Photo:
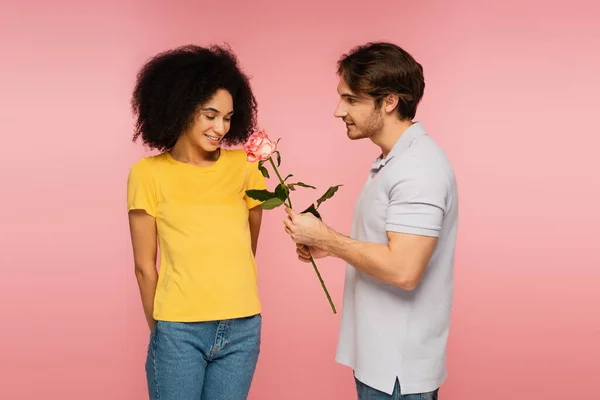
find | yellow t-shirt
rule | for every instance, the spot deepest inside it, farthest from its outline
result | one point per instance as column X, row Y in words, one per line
column 207, row 268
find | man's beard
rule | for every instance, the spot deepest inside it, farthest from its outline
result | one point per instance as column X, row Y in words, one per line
column 372, row 126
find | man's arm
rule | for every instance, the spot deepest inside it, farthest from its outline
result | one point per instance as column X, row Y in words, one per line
column 413, row 222
column 401, row 262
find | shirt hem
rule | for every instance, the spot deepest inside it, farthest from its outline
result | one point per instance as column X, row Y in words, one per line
column 207, row 317
column 411, row 230
column 146, row 209
column 388, row 387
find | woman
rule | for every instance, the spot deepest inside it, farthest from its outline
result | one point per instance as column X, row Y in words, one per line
column 203, row 307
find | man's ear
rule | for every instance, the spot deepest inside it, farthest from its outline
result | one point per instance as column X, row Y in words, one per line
column 390, row 102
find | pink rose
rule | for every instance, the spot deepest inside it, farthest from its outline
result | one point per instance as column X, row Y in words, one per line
column 259, row 147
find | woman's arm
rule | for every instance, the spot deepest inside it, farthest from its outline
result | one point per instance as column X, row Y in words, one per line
column 143, row 238
column 255, row 219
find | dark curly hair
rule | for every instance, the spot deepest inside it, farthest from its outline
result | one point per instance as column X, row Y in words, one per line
column 171, row 86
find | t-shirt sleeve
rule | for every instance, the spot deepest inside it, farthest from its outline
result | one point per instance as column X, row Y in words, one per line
column 141, row 193
column 256, row 181
column 417, row 201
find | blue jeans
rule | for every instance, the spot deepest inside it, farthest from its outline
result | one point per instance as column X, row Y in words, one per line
column 368, row 393
column 203, row 360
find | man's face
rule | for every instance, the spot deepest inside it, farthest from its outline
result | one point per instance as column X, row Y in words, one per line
column 362, row 118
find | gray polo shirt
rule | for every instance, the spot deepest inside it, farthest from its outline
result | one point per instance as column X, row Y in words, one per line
column 387, row 332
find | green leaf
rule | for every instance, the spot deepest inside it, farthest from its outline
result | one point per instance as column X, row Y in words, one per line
column 313, row 211
column 260, row 195
column 328, row 194
column 282, row 192
column 287, row 177
column 278, row 158
column 272, row 203
column 264, row 171
column 291, row 185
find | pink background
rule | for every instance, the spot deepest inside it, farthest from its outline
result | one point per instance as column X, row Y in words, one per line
column 511, row 90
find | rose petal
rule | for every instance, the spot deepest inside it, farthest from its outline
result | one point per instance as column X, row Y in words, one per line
column 265, row 150
column 259, row 146
column 256, row 145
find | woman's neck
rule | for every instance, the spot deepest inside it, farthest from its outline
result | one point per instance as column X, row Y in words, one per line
column 186, row 152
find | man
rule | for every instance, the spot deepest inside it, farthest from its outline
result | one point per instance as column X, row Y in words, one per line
column 400, row 254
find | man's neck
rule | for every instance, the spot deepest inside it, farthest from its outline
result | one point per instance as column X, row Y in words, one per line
column 390, row 134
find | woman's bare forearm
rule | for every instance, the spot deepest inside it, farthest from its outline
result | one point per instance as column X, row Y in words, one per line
column 147, row 279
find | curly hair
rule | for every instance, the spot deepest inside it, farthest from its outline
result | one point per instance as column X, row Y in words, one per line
column 173, row 84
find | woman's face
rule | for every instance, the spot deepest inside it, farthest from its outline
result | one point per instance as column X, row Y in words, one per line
column 212, row 122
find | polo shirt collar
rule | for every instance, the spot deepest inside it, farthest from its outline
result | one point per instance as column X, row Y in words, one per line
column 402, row 144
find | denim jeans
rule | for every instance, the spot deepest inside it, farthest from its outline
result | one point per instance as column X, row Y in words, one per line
column 203, row 360
column 368, row 393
